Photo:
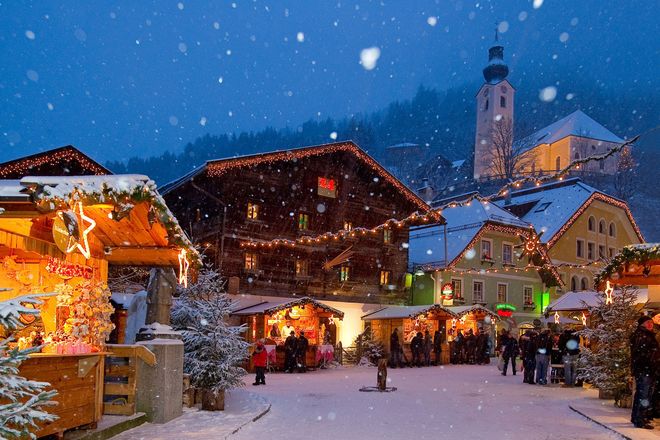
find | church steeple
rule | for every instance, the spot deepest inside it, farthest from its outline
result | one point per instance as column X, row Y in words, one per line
column 496, row 70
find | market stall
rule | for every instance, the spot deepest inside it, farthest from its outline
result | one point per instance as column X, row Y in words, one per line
column 57, row 237
column 409, row 320
column 273, row 321
column 575, row 305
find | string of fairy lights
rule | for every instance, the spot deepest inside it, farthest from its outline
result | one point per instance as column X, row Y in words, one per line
column 434, row 214
column 67, row 154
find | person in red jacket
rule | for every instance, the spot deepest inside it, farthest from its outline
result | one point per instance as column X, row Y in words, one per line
column 259, row 358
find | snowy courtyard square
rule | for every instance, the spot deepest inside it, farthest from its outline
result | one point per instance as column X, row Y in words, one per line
column 449, row 402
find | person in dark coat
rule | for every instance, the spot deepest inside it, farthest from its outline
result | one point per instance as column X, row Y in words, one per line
column 437, row 347
column 458, row 348
column 301, row 353
column 644, row 354
column 482, row 348
column 417, row 348
column 527, row 345
column 569, row 346
column 428, row 346
column 259, row 359
column 470, row 347
column 543, row 350
column 395, row 350
column 290, row 350
column 509, row 352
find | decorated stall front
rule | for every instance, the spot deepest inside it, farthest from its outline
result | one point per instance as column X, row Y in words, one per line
column 274, row 321
column 57, row 237
column 409, row 320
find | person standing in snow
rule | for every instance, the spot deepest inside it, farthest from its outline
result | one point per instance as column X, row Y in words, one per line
column 543, row 350
column 509, row 352
column 290, row 347
column 428, row 345
column 417, row 348
column 395, row 349
column 470, row 347
column 437, row 346
column 259, row 358
column 458, row 348
column 644, row 363
column 569, row 344
column 301, row 353
column 528, row 353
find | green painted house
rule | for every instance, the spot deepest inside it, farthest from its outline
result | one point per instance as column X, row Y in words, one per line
column 476, row 258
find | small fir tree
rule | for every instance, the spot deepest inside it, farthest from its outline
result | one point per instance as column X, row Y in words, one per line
column 23, row 400
column 605, row 361
column 214, row 350
column 368, row 351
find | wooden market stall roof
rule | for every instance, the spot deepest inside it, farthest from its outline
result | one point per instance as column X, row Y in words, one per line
column 636, row 265
column 132, row 224
column 477, row 309
column 400, row 312
column 270, row 307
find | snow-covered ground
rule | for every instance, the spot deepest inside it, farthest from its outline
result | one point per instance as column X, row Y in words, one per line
column 450, row 402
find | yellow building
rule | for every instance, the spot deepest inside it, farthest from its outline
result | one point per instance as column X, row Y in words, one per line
column 582, row 227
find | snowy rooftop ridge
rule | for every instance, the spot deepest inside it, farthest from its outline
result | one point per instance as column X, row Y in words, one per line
column 577, row 123
column 581, row 300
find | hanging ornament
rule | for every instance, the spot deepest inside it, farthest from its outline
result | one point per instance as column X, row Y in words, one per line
column 184, row 265
column 453, row 322
column 556, row 317
column 584, row 319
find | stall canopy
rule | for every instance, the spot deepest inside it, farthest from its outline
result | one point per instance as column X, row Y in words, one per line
column 637, row 265
column 399, row 312
column 477, row 309
column 577, row 301
column 118, row 218
column 271, row 307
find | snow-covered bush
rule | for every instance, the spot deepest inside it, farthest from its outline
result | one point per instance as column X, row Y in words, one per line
column 605, row 361
column 24, row 400
column 367, row 351
column 214, row 351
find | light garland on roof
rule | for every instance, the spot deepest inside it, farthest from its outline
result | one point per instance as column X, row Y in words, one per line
column 215, row 169
column 25, row 165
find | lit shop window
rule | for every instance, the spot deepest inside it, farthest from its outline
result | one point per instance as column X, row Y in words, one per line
column 303, row 221
column 250, row 261
column 252, row 211
column 327, row 187
column 385, row 277
column 302, row 268
column 344, row 273
column 387, row 236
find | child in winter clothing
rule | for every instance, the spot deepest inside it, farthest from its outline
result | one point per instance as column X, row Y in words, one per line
column 259, row 358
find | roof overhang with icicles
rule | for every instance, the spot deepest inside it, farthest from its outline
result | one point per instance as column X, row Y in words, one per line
column 271, row 307
column 432, row 311
column 123, row 217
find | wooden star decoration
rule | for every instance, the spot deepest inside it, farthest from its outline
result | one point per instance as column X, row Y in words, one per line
column 76, row 243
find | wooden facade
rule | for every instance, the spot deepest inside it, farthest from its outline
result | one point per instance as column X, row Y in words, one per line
column 235, row 208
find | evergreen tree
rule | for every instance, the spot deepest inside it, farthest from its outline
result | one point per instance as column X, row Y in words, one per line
column 605, row 362
column 367, row 350
column 24, row 400
column 214, row 350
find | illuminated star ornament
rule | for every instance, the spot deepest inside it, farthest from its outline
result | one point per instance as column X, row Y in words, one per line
column 609, row 290
column 82, row 243
column 530, row 245
column 584, row 319
column 184, row 265
column 556, row 317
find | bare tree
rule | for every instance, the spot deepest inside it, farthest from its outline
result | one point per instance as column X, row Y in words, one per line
column 508, row 158
column 624, row 182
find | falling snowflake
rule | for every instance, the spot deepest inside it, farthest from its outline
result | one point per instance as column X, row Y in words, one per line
column 333, row 135
column 537, row 4
column 548, row 94
column 300, row 37
column 503, row 27
column 432, row 21
column 30, row 35
column 369, row 57
column 563, row 37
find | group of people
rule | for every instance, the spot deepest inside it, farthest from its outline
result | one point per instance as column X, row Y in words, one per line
column 471, row 348
column 538, row 350
column 421, row 347
column 295, row 352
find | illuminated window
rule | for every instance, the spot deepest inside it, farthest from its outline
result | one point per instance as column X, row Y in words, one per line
column 348, row 226
column 250, row 261
column 501, row 292
column 252, row 211
column 302, row 268
column 457, row 285
column 385, row 277
column 503, row 101
column 612, row 230
column 591, row 251
column 486, row 247
column 507, row 253
column 478, row 291
column 327, row 187
column 344, row 273
column 528, row 297
column 579, row 248
column 303, row 221
column 387, row 236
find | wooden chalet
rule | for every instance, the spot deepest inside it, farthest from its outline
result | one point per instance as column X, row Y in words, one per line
column 63, row 161
column 302, row 222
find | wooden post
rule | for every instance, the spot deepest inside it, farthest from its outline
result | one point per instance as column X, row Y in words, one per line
column 382, row 374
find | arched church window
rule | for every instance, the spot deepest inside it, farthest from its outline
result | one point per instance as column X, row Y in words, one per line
column 503, row 101
column 486, row 105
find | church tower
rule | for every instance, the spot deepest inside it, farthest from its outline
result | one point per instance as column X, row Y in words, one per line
column 494, row 103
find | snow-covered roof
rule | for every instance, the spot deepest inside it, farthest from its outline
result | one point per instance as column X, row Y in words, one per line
column 270, row 307
column 64, row 186
column 11, row 190
column 463, row 310
column 574, row 301
column 457, row 163
column 549, row 207
column 398, row 312
column 427, row 243
column 575, row 124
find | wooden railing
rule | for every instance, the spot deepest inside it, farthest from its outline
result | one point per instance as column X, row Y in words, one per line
column 120, row 383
